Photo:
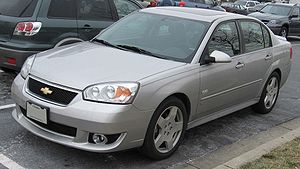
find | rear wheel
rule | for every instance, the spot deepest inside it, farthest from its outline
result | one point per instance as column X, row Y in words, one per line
column 284, row 31
column 269, row 95
column 166, row 129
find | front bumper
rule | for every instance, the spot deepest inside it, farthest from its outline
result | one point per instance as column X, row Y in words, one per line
column 86, row 117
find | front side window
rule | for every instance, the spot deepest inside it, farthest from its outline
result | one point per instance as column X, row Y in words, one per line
column 125, row 7
column 94, row 10
column 163, row 36
column 253, row 36
column 62, row 9
column 225, row 39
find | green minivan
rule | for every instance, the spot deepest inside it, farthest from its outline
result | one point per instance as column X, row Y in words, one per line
column 31, row 26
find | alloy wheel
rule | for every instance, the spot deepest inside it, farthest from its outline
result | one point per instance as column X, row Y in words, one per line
column 271, row 92
column 168, row 129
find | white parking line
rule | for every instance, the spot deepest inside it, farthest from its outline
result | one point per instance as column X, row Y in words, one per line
column 9, row 163
column 7, row 106
column 1, row 71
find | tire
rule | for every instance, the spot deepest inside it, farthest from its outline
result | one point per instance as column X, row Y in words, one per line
column 165, row 128
column 284, row 32
column 269, row 95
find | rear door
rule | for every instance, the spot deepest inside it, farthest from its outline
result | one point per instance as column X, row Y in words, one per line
column 257, row 58
column 94, row 16
column 58, row 19
column 12, row 12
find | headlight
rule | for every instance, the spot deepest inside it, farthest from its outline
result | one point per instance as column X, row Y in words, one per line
column 27, row 66
column 272, row 22
column 121, row 93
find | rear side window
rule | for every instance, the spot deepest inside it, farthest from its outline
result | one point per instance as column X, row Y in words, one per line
column 17, row 8
column 253, row 36
column 267, row 37
column 62, row 9
column 94, row 10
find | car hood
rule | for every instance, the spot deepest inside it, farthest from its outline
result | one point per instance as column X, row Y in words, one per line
column 84, row 64
column 266, row 16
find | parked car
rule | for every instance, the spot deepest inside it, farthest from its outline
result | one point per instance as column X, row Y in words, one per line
column 207, row 4
column 32, row 26
column 282, row 19
column 236, row 8
column 148, row 3
column 165, row 3
column 146, row 79
column 247, row 4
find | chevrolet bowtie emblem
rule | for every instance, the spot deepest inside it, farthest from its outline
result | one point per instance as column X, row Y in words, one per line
column 46, row 91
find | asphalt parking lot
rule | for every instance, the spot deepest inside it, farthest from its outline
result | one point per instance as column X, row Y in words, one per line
column 29, row 151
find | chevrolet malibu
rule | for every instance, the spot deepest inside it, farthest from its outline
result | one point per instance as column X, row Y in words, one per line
column 148, row 78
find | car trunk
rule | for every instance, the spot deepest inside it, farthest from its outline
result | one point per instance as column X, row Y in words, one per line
column 12, row 12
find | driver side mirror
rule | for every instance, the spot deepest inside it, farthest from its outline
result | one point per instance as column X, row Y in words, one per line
column 218, row 57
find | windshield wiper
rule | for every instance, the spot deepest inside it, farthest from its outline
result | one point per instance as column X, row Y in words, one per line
column 106, row 43
column 139, row 50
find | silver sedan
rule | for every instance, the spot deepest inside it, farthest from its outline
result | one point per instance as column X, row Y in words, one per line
column 148, row 78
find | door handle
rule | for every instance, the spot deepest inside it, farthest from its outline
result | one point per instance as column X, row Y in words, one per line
column 86, row 26
column 268, row 57
column 239, row 65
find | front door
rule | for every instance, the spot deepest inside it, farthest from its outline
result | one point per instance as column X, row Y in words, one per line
column 295, row 22
column 220, row 81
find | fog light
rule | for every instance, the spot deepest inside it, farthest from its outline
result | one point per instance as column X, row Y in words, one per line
column 99, row 139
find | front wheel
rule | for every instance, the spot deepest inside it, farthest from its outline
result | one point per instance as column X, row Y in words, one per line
column 269, row 95
column 166, row 129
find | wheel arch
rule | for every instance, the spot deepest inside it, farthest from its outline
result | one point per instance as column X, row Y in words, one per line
column 66, row 40
column 277, row 70
column 185, row 99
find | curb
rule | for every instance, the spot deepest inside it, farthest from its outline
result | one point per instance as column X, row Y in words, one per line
column 239, row 153
column 260, row 150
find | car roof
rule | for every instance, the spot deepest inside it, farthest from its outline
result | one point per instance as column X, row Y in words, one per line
column 192, row 13
column 282, row 4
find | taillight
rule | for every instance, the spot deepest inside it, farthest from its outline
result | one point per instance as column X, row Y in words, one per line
column 181, row 3
column 291, row 53
column 27, row 28
column 11, row 61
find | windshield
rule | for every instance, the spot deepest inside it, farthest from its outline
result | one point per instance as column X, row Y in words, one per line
column 17, row 8
column 277, row 10
column 159, row 35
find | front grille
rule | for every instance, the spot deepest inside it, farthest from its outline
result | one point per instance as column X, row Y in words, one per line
column 52, row 126
column 58, row 95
